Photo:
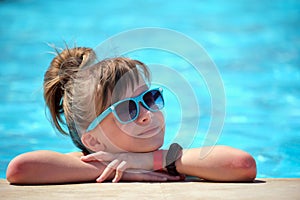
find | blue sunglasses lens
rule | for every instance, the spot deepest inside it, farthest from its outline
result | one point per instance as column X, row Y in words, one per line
column 153, row 100
column 127, row 111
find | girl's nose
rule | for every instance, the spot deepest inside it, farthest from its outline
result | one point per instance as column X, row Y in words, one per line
column 145, row 115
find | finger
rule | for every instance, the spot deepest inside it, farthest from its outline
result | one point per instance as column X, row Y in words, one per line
column 143, row 175
column 167, row 176
column 99, row 156
column 87, row 158
column 174, row 178
column 149, row 177
column 92, row 157
column 108, row 170
column 119, row 171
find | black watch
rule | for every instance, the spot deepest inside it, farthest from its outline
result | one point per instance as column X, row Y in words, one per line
column 173, row 154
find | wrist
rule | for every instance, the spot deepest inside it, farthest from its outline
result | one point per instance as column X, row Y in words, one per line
column 145, row 160
column 174, row 153
column 158, row 160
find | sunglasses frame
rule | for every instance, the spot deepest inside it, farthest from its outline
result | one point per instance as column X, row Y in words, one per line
column 136, row 100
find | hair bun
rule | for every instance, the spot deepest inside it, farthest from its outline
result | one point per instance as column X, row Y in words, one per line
column 57, row 78
column 69, row 61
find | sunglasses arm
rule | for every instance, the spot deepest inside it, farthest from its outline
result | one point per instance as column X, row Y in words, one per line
column 100, row 118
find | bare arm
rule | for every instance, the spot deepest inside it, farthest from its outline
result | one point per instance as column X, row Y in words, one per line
column 46, row 167
column 219, row 163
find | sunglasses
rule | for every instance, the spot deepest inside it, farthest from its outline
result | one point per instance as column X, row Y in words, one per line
column 127, row 110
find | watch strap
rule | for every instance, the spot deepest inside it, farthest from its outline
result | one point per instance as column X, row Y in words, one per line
column 173, row 154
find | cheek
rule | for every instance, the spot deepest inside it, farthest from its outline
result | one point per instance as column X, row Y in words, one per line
column 123, row 137
column 159, row 116
column 133, row 128
column 109, row 127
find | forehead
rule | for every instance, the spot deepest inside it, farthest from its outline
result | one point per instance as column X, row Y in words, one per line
column 135, row 91
column 129, row 89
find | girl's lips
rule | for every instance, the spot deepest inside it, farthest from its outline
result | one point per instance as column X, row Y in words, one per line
column 149, row 132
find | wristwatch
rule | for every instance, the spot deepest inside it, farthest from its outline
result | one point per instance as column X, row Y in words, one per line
column 173, row 154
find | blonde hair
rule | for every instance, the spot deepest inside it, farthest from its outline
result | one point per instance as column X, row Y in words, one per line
column 76, row 91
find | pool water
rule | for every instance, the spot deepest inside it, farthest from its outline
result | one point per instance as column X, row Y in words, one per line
column 254, row 44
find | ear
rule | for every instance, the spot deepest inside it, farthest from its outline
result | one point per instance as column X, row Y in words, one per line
column 91, row 142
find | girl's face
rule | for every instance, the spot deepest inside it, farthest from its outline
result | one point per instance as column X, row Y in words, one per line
column 144, row 134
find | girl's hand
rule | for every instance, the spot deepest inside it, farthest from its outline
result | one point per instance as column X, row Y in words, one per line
column 120, row 162
column 149, row 176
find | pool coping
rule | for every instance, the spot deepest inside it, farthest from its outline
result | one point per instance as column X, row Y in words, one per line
column 264, row 188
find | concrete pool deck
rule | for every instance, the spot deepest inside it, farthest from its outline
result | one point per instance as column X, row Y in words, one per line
column 260, row 189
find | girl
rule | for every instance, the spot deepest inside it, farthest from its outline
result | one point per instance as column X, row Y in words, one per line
column 114, row 117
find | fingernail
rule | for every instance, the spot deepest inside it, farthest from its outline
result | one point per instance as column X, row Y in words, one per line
column 99, row 180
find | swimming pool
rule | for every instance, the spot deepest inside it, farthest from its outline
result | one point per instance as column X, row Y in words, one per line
column 254, row 44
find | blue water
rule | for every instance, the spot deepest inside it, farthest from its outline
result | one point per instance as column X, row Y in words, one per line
column 254, row 44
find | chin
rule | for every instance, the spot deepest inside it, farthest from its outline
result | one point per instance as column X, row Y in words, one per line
column 155, row 144
column 149, row 146
column 159, row 145
column 160, row 140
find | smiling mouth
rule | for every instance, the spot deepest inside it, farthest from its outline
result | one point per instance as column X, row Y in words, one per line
column 149, row 132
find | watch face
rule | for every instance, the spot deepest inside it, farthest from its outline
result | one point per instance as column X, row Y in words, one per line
column 174, row 153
